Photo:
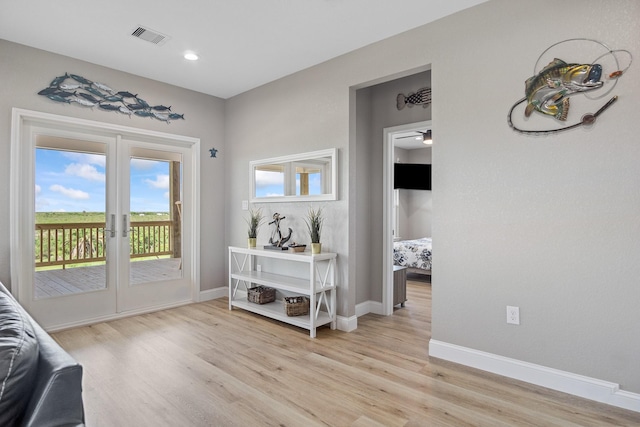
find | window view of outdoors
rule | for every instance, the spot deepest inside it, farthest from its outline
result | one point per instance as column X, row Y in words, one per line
column 71, row 224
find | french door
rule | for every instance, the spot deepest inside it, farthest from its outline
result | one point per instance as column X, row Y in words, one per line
column 151, row 267
column 104, row 221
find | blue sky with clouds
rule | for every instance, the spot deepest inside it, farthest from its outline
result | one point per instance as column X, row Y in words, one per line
column 271, row 183
column 75, row 182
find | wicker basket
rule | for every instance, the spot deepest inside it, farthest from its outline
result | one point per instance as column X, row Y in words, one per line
column 261, row 294
column 296, row 306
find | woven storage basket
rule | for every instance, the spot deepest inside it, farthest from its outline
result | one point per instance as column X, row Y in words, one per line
column 261, row 294
column 296, row 306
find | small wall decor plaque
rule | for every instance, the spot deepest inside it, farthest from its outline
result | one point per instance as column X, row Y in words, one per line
column 72, row 88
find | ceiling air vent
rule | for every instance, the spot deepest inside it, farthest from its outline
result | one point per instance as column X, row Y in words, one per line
column 150, row 36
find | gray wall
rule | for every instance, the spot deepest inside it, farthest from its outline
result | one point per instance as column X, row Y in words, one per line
column 547, row 224
column 25, row 71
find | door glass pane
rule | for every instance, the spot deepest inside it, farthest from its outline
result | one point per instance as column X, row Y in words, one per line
column 155, row 233
column 69, row 240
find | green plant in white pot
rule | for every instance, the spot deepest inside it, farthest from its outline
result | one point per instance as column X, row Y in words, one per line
column 254, row 222
column 314, row 222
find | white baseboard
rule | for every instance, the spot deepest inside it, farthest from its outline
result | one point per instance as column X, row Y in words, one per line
column 367, row 307
column 115, row 316
column 567, row 382
column 347, row 324
column 214, row 293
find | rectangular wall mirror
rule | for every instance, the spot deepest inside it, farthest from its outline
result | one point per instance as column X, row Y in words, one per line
column 298, row 177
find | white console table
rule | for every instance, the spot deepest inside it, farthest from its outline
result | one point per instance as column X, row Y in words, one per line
column 319, row 285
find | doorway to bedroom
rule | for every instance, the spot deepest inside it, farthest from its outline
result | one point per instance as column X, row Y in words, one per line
column 408, row 210
column 377, row 113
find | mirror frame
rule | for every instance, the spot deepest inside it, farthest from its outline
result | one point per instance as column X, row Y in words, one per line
column 333, row 190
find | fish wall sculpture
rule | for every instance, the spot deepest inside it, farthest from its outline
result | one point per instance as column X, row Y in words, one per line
column 548, row 91
column 94, row 94
column 421, row 97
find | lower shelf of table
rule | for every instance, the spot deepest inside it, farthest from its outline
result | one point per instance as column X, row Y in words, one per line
column 276, row 310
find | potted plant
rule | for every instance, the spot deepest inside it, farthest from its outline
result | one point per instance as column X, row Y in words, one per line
column 314, row 225
column 254, row 222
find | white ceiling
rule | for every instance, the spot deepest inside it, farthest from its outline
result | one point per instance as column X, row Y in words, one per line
column 410, row 140
column 242, row 44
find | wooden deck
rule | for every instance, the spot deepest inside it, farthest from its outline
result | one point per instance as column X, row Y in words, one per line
column 53, row 283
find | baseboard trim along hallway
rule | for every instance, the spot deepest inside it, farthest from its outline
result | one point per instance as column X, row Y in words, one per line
column 567, row 382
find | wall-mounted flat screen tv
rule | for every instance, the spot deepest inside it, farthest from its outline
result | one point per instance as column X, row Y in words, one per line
column 412, row 176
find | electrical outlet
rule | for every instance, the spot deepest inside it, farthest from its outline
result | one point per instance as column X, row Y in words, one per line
column 258, row 267
column 513, row 315
column 245, row 205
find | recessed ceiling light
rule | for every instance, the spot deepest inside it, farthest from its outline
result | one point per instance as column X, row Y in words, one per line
column 191, row 56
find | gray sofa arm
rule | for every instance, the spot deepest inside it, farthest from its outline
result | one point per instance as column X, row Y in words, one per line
column 57, row 397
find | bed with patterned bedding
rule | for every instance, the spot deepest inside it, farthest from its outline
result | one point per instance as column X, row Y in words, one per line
column 413, row 254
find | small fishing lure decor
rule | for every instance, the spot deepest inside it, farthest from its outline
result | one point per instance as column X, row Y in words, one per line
column 74, row 88
column 547, row 92
column 421, row 97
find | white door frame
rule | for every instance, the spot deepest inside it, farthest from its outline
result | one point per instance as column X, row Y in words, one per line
column 388, row 214
column 22, row 208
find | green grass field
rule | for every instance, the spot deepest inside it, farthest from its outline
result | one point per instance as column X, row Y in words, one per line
column 73, row 217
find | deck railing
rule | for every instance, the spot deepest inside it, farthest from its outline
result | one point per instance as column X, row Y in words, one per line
column 77, row 243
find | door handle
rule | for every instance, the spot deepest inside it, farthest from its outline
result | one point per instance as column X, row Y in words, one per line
column 112, row 231
column 125, row 229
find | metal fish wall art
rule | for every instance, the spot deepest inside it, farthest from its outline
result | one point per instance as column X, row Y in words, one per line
column 420, row 97
column 74, row 88
column 548, row 91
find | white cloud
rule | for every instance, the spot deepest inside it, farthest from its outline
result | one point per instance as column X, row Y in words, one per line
column 69, row 192
column 38, row 189
column 161, row 182
column 85, row 171
column 143, row 164
column 92, row 159
column 265, row 178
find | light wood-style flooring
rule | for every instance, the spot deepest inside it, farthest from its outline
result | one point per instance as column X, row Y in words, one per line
column 203, row 365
